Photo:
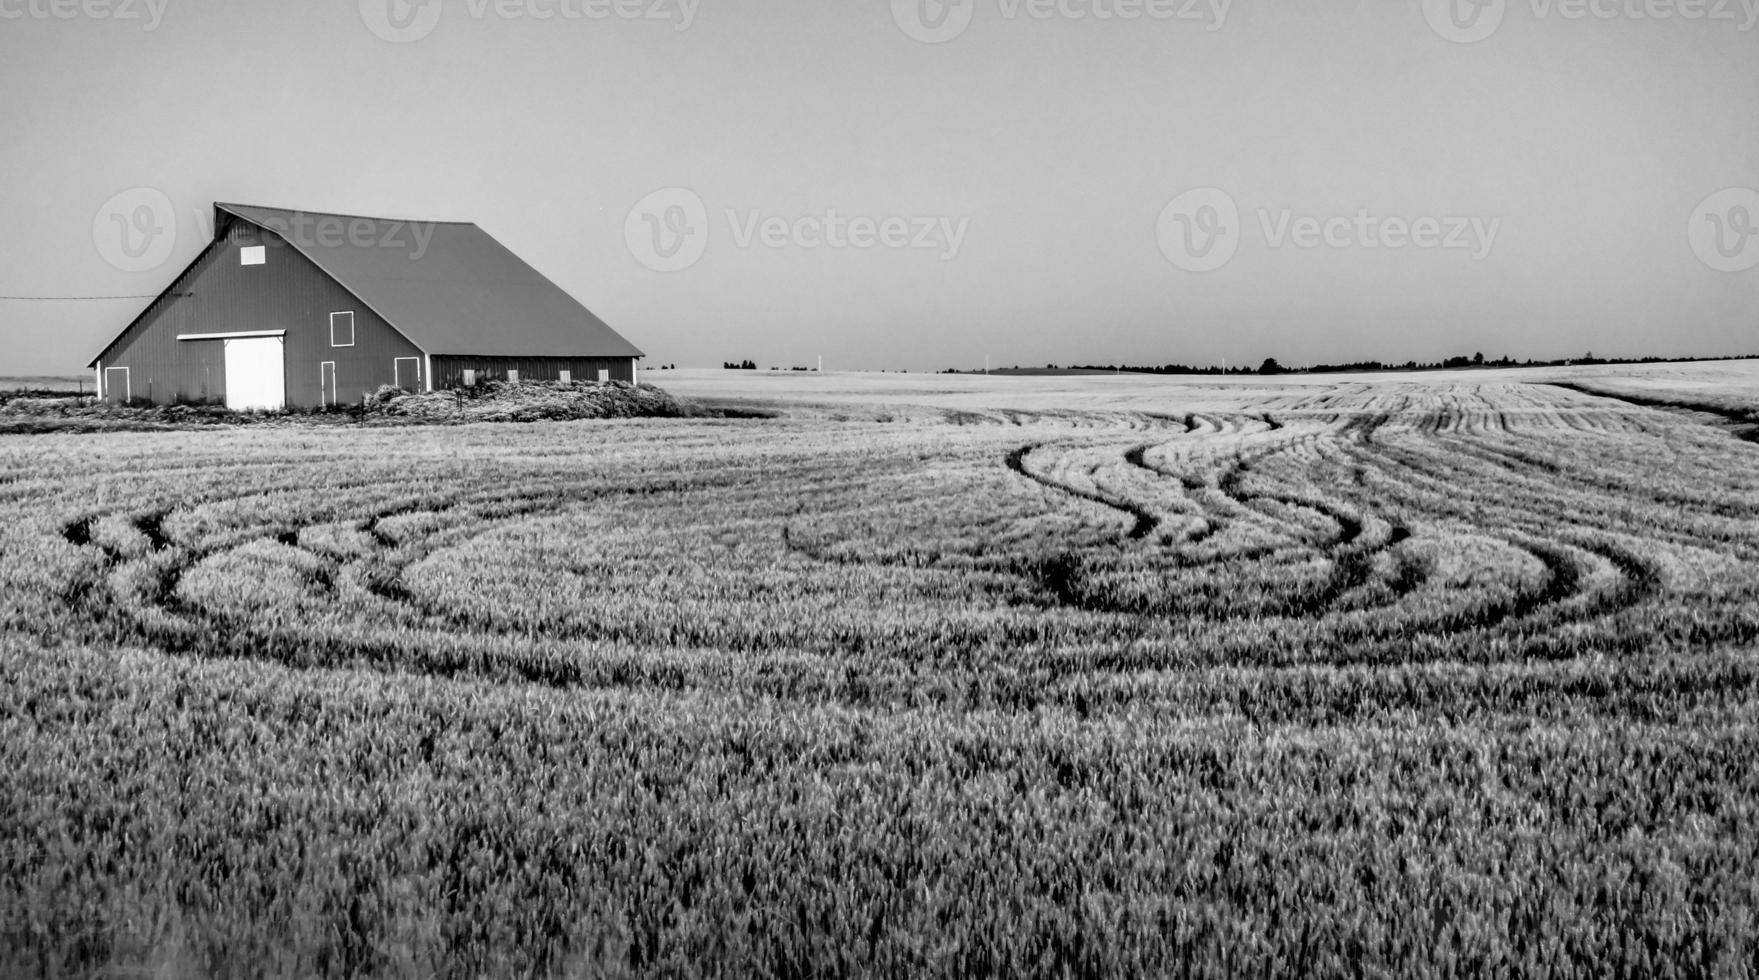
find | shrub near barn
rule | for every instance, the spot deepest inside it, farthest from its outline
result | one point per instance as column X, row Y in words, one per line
column 494, row 401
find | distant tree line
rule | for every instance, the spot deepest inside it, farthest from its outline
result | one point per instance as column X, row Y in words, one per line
column 752, row 366
column 1272, row 366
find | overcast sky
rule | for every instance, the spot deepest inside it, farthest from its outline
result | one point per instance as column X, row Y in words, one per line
column 915, row 185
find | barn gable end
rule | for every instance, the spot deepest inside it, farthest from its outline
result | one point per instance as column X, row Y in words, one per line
column 220, row 294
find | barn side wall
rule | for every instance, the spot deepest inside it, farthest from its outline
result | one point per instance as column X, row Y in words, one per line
column 218, row 294
column 449, row 370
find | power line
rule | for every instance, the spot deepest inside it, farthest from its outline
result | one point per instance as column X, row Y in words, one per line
column 61, row 299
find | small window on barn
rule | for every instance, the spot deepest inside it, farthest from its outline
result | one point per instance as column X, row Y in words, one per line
column 513, row 375
column 604, row 375
column 342, row 330
column 469, row 377
column 253, row 255
column 567, row 377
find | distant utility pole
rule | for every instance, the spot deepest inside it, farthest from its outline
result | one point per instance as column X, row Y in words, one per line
column 986, row 364
column 821, row 364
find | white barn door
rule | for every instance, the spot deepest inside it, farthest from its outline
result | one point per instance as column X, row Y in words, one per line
column 256, row 375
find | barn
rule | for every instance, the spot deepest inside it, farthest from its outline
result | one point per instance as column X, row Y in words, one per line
column 302, row 309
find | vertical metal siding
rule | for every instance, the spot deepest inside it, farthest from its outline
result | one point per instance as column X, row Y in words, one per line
column 219, row 295
column 449, row 369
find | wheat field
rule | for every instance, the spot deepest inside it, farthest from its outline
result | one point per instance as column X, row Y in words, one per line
column 1402, row 676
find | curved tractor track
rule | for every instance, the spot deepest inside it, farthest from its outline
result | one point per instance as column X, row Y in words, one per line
column 351, row 606
column 1144, row 521
column 1415, row 484
column 159, row 615
column 1350, row 526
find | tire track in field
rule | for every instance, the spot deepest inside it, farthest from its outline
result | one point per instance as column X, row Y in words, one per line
column 1543, row 475
column 1350, row 550
column 1144, row 521
column 1578, row 579
column 209, row 635
column 1197, row 490
column 1354, row 565
column 1743, row 425
column 1564, row 572
column 197, row 632
column 157, row 616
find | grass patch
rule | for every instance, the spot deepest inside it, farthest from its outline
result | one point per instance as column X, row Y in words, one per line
column 34, row 412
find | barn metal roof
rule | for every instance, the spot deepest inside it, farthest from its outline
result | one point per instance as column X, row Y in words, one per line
column 456, row 292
